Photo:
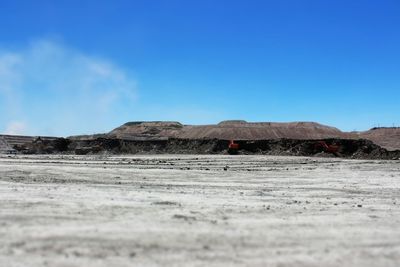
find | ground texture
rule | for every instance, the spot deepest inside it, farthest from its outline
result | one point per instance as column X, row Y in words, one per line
column 198, row 211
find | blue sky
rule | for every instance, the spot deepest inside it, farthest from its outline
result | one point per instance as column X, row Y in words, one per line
column 72, row 67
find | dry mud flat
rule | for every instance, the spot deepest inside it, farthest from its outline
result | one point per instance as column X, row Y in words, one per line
column 198, row 211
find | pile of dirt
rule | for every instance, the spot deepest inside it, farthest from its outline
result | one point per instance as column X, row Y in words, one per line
column 45, row 146
column 5, row 147
column 237, row 130
column 13, row 143
column 387, row 137
column 261, row 131
column 150, row 129
column 297, row 138
column 347, row 148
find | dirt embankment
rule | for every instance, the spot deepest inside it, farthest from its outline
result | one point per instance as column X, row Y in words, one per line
column 347, row 148
column 386, row 137
column 226, row 130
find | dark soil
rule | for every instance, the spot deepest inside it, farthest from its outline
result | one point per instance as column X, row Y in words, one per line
column 347, row 148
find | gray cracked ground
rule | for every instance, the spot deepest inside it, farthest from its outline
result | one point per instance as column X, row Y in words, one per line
column 198, row 211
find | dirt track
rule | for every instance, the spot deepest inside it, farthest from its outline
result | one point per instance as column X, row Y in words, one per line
column 189, row 211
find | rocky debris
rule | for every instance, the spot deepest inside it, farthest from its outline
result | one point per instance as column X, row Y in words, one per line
column 13, row 140
column 5, row 147
column 18, row 143
column 87, row 150
column 297, row 138
column 44, row 146
column 346, row 148
column 150, row 129
column 388, row 137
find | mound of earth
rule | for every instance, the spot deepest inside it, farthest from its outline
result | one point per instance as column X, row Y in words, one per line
column 150, row 130
column 388, row 138
column 4, row 146
column 226, row 130
column 357, row 149
column 261, row 131
column 10, row 143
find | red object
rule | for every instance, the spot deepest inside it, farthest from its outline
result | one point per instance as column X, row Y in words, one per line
column 328, row 148
column 233, row 148
column 233, row 145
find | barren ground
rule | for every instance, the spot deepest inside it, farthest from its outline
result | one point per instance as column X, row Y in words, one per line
column 189, row 211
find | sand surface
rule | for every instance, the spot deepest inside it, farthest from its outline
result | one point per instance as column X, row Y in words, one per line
column 198, row 211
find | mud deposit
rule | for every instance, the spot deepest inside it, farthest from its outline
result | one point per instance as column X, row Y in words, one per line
column 174, row 210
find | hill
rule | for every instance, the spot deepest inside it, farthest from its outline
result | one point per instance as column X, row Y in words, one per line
column 386, row 137
column 238, row 130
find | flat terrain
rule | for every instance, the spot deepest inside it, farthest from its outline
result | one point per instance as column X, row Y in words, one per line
column 198, row 211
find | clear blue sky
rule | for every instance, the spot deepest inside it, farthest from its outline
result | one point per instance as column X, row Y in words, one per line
column 70, row 67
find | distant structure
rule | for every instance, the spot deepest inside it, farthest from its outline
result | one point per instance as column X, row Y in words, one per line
column 5, row 148
column 8, row 142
